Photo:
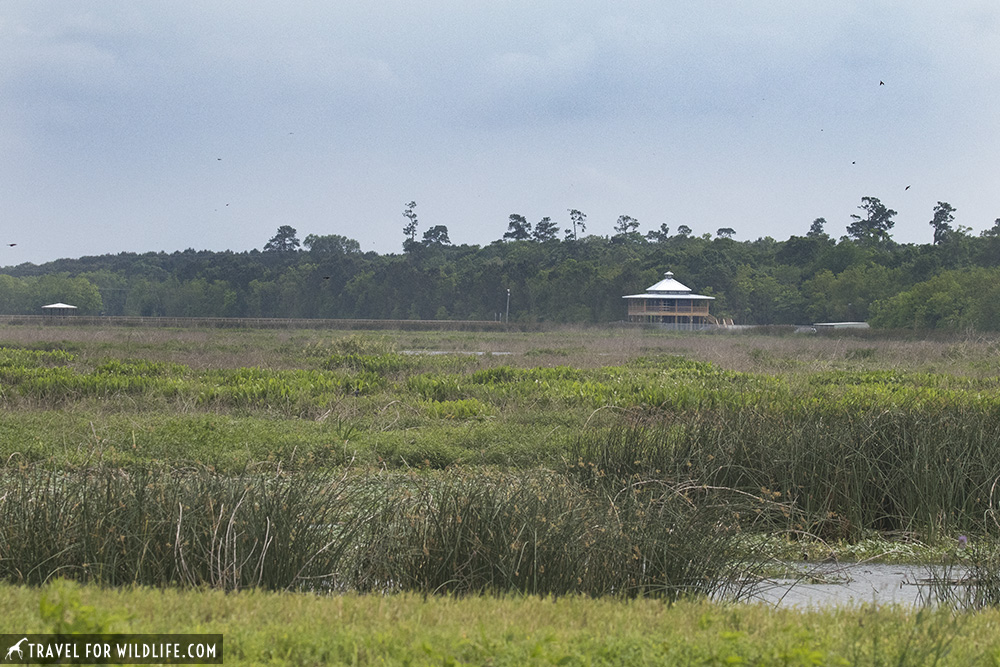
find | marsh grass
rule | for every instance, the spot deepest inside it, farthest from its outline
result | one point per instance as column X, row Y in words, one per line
column 973, row 354
column 845, row 470
column 851, row 449
column 468, row 532
column 171, row 527
column 624, row 440
column 540, row 533
column 967, row 579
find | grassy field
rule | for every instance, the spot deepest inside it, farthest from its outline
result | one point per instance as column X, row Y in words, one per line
column 617, row 464
column 272, row 628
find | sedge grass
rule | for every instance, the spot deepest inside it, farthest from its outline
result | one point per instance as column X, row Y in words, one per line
column 867, row 469
column 170, row 527
column 467, row 531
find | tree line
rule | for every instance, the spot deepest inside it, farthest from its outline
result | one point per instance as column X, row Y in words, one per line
column 553, row 275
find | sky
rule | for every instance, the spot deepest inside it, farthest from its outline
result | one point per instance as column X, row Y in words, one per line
column 160, row 126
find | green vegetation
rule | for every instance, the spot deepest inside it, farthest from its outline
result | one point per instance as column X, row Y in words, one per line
column 847, row 450
column 619, row 467
column 946, row 284
column 469, row 531
column 409, row 629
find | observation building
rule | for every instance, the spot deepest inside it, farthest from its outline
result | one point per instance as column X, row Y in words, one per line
column 671, row 304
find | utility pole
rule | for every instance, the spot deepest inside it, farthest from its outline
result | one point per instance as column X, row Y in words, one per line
column 508, row 305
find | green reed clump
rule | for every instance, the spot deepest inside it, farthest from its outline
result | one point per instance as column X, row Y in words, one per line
column 464, row 531
column 863, row 461
column 60, row 385
column 542, row 533
column 983, row 577
column 437, row 387
column 297, row 392
column 14, row 357
column 496, row 375
column 172, row 527
column 352, row 345
column 968, row 579
column 379, row 364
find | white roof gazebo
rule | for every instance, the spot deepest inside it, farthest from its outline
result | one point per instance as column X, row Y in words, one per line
column 59, row 309
column 671, row 304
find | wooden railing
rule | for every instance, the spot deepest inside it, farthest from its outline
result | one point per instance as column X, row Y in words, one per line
column 663, row 309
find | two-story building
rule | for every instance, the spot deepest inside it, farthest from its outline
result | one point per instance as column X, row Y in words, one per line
column 671, row 304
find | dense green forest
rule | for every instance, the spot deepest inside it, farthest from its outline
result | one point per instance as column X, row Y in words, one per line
column 952, row 282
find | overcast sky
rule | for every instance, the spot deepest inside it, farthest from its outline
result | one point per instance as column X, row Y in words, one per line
column 147, row 126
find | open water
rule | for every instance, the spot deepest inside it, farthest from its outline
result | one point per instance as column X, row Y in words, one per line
column 841, row 584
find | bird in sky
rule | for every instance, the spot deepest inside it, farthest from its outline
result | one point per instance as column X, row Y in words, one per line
column 881, row 83
column 906, row 188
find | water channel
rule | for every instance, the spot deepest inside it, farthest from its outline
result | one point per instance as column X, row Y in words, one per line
column 844, row 584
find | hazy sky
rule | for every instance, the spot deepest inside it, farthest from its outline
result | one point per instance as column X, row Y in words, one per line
column 147, row 126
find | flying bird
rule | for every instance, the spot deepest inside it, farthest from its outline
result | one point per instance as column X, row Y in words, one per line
column 906, row 188
column 12, row 244
column 881, row 83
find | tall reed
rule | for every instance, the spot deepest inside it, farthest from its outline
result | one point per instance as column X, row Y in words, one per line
column 849, row 469
column 463, row 531
column 540, row 533
column 161, row 527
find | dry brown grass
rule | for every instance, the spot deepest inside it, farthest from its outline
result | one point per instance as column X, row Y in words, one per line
column 748, row 351
column 974, row 355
